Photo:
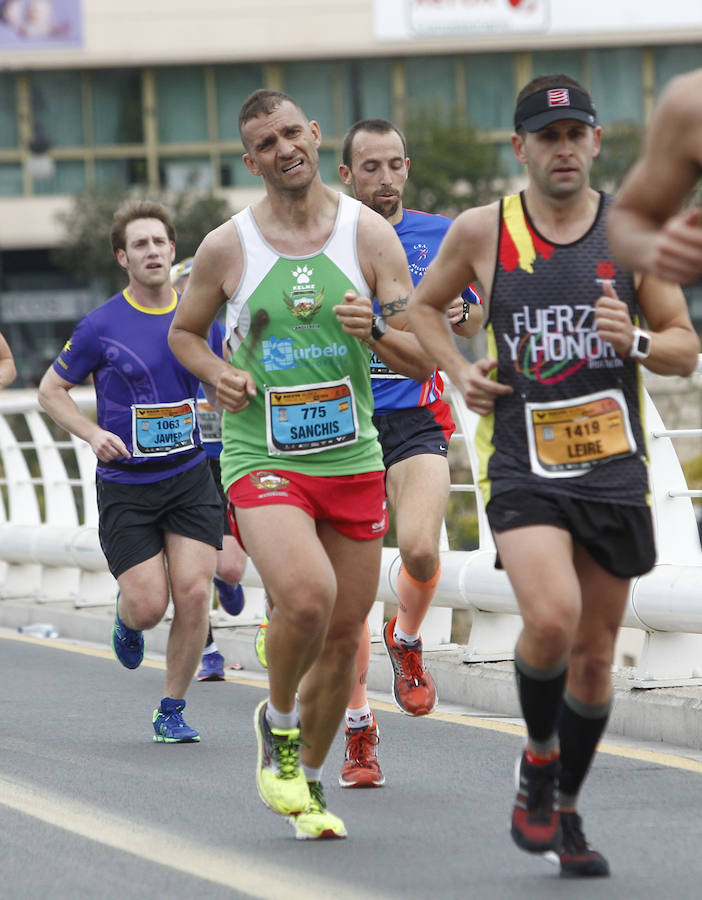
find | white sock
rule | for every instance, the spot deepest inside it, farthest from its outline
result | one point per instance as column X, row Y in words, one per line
column 359, row 718
column 401, row 637
column 282, row 720
column 312, row 774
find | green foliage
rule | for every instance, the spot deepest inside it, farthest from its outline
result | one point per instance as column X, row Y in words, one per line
column 452, row 169
column 85, row 248
column 692, row 470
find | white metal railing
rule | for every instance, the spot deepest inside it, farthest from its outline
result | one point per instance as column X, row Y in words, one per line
column 49, row 548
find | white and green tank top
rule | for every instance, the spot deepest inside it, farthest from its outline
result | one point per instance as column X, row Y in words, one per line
column 313, row 409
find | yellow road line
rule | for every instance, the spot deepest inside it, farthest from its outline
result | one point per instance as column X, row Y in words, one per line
column 155, row 845
column 659, row 757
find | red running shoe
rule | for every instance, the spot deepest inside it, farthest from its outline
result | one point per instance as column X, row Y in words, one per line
column 578, row 859
column 536, row 825
column 413, row 687
column 361, row 767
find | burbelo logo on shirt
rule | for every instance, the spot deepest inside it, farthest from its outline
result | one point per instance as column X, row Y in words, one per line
column 303, row 301
column 283, row 354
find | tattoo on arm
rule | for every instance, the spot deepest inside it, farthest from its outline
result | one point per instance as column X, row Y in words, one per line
column 394, row 307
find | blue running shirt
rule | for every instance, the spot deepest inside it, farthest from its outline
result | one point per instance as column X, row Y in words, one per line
column 420, row 233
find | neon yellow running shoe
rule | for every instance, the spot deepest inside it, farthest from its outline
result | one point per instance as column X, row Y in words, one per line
column 260, row 639
column 280, row 781
column 316, row 823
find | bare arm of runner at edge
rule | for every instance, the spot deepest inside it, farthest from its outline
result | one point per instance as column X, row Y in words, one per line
column 647, row 228
column 445, row 278
column 215, row 275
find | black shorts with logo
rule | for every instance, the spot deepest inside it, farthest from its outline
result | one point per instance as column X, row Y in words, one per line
column 134, row 518
column 618, row 537
column 411, row 432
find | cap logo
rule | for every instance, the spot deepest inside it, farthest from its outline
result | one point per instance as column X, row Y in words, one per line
column 558, row 97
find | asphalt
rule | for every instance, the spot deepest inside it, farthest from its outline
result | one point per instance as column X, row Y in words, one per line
column 666, row 715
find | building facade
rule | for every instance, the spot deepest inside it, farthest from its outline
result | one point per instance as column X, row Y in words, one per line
column 97, row 95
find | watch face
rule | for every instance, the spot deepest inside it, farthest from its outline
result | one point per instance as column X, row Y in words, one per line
column 380, row 326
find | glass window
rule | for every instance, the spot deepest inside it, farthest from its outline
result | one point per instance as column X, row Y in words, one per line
column 10, row 179
column 616, row 85
column 8, row 111
column 312, row 86
column 68, row 178
column 121, row 173
column 57, row 106
column 233, row 172
column 186, row 173
column 559, row 62
column 490, row 90
column 431, row 85
column 672, row 61
column 233, row 84
column 116, row 107
column 368, row 93
column 182, row 106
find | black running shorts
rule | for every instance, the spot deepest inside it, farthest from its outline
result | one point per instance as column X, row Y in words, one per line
column 134, row 518
column 411, row 432
column 619, row 538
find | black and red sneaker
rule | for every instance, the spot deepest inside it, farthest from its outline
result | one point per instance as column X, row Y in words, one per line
column 536, row 824
column 578, row 859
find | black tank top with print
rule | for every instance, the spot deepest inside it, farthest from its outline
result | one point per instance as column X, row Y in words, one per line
column 573, row 424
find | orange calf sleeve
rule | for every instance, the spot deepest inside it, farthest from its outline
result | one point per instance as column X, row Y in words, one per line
column 359, row 697
column 414, row 599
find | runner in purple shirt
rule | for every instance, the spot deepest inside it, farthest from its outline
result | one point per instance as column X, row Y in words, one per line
column 160, row 519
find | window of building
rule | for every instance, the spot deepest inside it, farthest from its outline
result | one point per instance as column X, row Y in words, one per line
column 116, row 107
column 560, row 62
column 233, row 172
column 57, row 107
column 489, row 81
column 186, row 173
column 672, row 61
column 8, row 110
column 233, row 84
column 182, row 105
column 430, row 85
column 68, row 178
column 121, row 173
column 311, row 84
column 616, row 85
column 10, row 179
column 370, row 90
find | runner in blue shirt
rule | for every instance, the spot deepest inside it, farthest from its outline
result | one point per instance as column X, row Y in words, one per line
column 160, row 521
column 414, row 427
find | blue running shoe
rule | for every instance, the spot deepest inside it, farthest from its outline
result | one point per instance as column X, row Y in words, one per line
column 231, row 597
column 127, row 644
column 212, row 667
column 169, row 725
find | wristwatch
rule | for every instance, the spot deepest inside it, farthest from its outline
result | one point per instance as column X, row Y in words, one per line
column 466, row 313
column 641, row 344
column 379, row 327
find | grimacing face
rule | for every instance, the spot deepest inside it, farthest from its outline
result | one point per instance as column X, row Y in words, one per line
column 378, row 172
column 282, row 147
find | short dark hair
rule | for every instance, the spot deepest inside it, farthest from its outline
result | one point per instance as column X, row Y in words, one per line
column 138, row 209
column 576, row 99
column 376, row 126
column 262, row 103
